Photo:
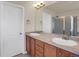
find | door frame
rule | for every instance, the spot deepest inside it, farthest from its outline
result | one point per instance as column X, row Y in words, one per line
column 23, row 32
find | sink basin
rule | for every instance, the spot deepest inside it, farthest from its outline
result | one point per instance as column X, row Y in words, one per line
column 64, row 42
column 34, row 34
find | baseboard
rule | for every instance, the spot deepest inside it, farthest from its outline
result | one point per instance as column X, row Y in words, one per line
column 24, row 52
column 20, row 53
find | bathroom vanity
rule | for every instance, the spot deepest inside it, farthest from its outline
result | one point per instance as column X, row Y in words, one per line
column 43, row 46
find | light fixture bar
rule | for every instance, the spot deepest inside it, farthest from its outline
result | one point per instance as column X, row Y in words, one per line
column 39, row 5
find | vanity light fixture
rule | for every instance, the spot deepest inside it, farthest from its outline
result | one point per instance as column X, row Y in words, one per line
column 39, row 5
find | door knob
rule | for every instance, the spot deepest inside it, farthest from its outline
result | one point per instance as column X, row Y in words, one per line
column 20, row 33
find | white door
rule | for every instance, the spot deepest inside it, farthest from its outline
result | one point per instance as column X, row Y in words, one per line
column 11, row 28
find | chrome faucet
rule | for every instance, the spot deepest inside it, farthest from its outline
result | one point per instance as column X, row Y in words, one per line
column 67, row 37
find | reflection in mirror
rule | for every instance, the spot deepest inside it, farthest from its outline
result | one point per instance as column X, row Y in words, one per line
column 65, row 25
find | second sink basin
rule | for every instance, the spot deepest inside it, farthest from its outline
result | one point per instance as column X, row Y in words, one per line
column 34, row 34
column 64, row 42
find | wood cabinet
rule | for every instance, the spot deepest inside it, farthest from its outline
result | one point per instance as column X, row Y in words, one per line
column 28, row 45
column 49, row 50
column 32, row 47
column 58, row 52
column 37, row 48
column 66, row 53
column 63, row 53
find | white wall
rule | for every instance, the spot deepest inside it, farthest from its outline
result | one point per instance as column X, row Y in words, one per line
column 47, row 20
column 47, row 23
column 34, row 15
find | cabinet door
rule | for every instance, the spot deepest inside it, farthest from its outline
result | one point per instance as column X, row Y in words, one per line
column 32, row 47
column 28, row 44
column 63, row 53
column 66, row 53
column 39, row 48
column 59, row 52
column 49, row 51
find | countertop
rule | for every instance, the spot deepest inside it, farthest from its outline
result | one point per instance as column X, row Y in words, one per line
column 47, row 38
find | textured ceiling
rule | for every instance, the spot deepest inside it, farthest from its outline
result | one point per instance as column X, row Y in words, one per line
column 64, row 6
column 33, row 2
column 19, row 2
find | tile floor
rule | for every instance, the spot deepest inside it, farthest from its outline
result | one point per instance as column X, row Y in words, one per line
column 23, row 55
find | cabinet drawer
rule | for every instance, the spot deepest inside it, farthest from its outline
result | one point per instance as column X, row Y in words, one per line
column 39, row 43
column 39, row 54
column 38, row 48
